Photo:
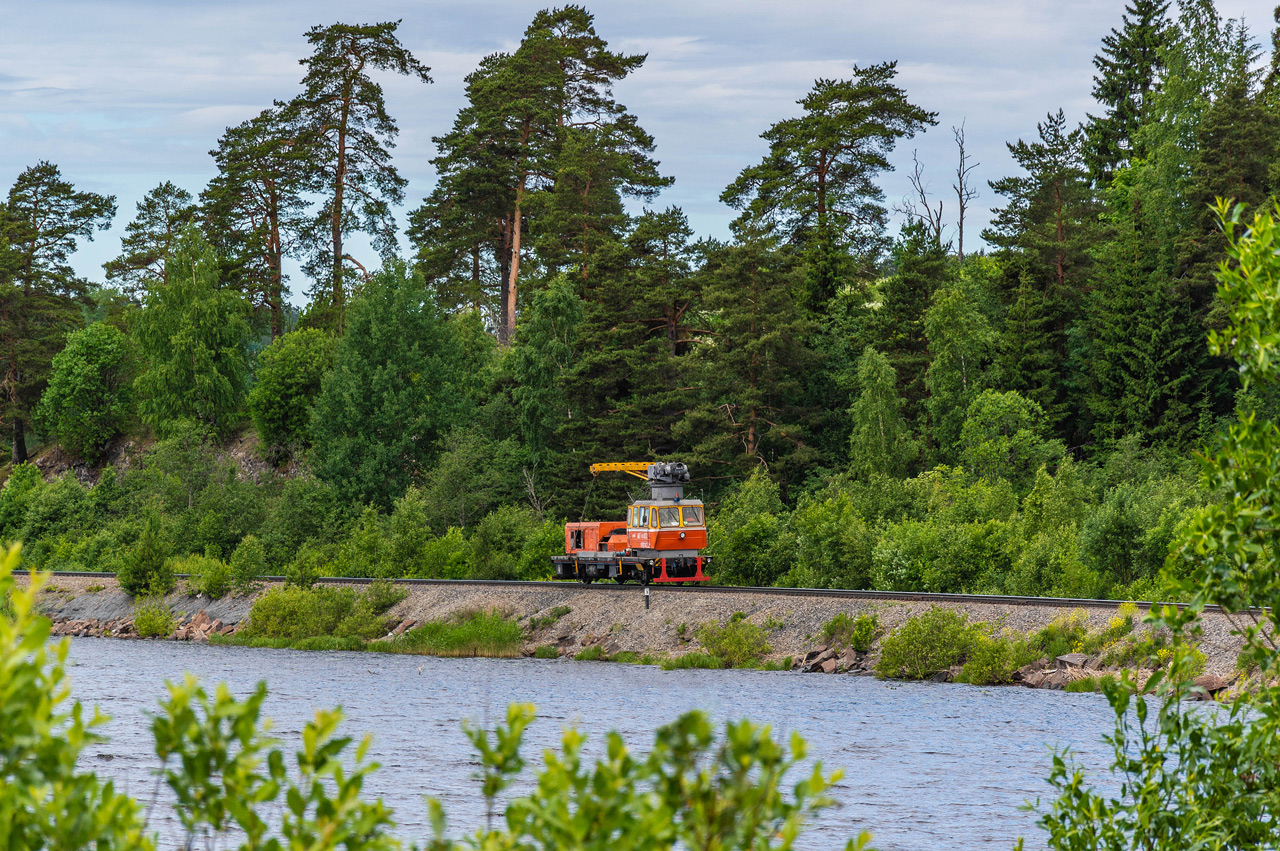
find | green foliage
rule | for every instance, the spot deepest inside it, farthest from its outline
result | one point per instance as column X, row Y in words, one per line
column 926, row 644
column 289, row 376
column 89, row 400
column 152, row 618
column 859, row 633
column 546, row 651
column 193, row 335
column 813, row 186
column 248, row 565
column 395, row 389
column 551, row 617
column 881, row 443
column 1222, row 791
column 294, row 612
column 994, row 657
column 738, row 643
column 1003, row 437
column 145, row 569
column 595, row 653
column 692, row 660
column 206, row 574
column 474, row 634
column 48, row 799
column 24, row 480
column 747, row 536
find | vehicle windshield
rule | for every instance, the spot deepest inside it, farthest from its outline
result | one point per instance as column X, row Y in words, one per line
column 668, row 517
column 693, row 515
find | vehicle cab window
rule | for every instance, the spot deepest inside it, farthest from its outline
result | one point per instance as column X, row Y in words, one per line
column 644, row 516
column 668, row 517
column 692, row 515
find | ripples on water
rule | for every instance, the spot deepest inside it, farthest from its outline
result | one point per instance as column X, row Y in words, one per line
column 926, row 766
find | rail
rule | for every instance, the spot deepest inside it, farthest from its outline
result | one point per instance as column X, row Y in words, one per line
column 838, row 593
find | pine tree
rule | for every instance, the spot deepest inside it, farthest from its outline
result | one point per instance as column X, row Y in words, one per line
column 162, row 214
column 542, row 153
column 347, row 134
column 1130, row 66
column 816, row 185
column 43, row 221
column 254, row 208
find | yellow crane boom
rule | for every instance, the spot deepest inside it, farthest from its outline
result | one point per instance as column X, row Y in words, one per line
column 639, row 469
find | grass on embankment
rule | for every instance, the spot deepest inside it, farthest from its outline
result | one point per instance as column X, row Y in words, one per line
column 328, row 618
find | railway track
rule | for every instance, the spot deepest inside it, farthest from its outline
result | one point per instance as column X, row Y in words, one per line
column 837, row 593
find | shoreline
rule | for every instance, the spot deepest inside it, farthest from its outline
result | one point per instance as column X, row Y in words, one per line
column 604, row 623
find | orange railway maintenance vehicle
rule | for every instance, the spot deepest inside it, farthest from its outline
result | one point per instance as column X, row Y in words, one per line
column 660, row 541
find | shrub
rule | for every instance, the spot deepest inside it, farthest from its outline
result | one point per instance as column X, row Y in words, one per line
column 546, row 651
column 737, row 643
column 926, row 645
column 594, row 653
column 446, row 557
column 24, row 480
column 152, row 618
column 145, row 568
column 206, row 575
column 1064, row 634
column 248, row 565
column 994, row 657
column 858, row 633
column 749, row 534
column 291, row 611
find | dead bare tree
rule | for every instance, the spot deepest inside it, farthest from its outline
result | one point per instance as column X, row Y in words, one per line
column 918, row 209
column 965, row 191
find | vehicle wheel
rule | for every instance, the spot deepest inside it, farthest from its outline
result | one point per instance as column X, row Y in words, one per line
column 587, row 580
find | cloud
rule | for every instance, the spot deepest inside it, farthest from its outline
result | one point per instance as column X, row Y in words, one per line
column 124, row 95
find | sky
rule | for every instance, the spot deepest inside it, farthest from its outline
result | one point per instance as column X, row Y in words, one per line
column 126, row 94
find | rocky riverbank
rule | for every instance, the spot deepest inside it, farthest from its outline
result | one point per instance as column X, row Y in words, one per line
column 571, row 618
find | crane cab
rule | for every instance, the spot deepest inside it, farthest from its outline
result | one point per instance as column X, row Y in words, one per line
column 666, row 528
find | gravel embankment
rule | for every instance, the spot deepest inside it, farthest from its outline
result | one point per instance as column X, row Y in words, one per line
column 616, row 619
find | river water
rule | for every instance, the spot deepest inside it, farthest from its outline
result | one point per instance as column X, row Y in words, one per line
column 925, row 766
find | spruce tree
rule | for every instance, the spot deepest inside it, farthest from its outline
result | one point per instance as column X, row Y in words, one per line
column 751, row 409
column 1130, row 66
column 1046, row 232
column 881, row 442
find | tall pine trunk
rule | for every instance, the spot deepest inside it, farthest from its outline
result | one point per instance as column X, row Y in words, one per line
column 509, row 290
